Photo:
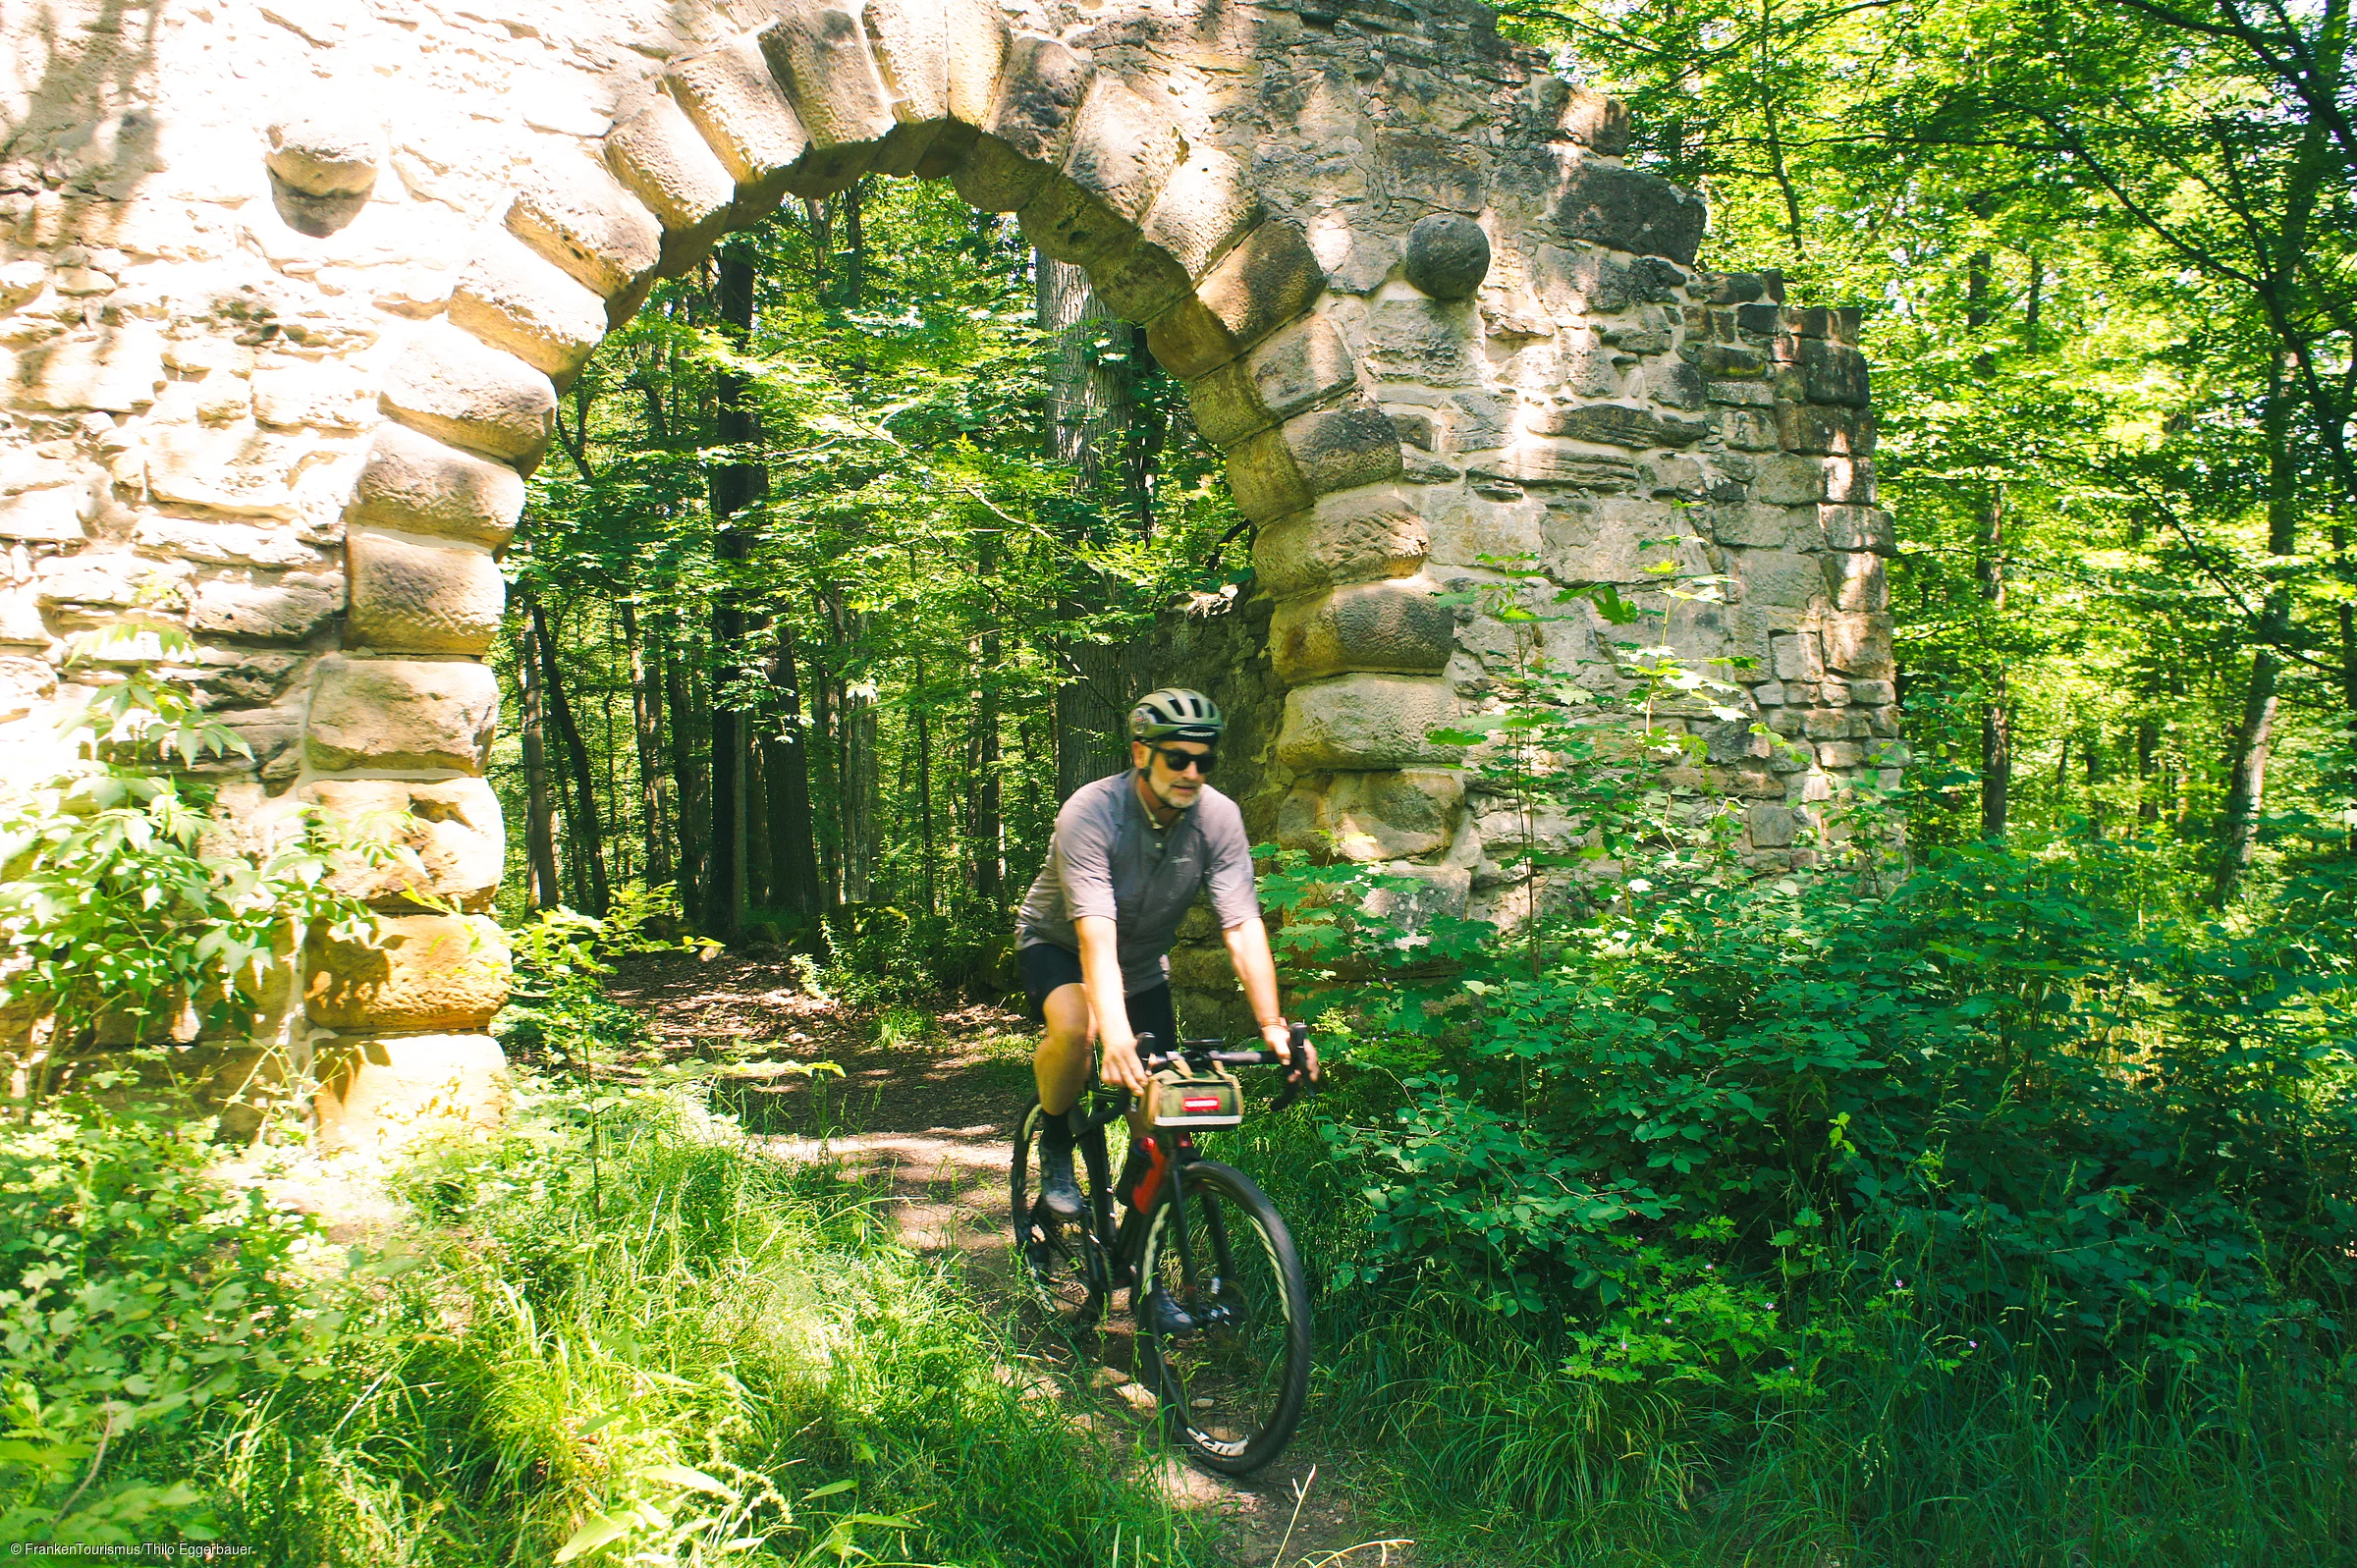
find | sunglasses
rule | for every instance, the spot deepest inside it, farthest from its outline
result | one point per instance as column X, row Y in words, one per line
column 1181, row 761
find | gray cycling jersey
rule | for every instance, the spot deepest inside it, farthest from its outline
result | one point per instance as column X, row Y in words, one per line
column 1109, row 859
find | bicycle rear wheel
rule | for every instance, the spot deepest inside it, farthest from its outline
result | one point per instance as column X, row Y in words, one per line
column 1232, row 1387
column 1061, row 1263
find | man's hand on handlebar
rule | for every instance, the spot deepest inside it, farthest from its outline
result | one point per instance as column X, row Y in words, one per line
column 1120, row 1067
column 1280, row 1036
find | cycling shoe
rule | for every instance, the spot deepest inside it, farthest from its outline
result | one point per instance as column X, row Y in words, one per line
column 1059, row 1189
column 1165, row 1317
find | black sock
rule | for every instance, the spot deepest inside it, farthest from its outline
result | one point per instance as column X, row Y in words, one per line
column 1055, row 1130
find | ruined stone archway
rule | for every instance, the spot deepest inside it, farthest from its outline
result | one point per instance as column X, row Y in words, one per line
column 1419, row 300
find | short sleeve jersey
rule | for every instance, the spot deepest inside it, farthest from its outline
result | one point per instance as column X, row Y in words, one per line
column 1107, row 858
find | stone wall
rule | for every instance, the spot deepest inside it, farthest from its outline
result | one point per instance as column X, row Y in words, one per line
column 292, row 287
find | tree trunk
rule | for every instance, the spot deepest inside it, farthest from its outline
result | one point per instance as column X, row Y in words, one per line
column 1090, row 411
column 857, row 774
column 1996, row 718
column 588, row 836
column 646, row 723
column 921, row 705
column 733, row 486
column 693, row 819
column 988, row 831
column 2148, row 781
column 539, row 833
column 793, row 880
column 2254, row 738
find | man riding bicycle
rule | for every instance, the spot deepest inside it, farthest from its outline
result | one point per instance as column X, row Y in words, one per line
column 1131, row 855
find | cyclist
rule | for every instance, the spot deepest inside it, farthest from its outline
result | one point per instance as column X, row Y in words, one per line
column 1130, row 853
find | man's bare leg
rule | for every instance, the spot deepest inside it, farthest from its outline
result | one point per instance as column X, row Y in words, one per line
column 1067, row 1049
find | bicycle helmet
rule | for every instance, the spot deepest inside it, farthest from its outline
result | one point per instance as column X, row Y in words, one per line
column 1177, row 714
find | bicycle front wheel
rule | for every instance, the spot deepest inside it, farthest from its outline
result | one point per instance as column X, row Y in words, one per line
column 1223, row 1315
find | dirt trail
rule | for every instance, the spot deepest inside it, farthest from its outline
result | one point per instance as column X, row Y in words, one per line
column 922, row 1112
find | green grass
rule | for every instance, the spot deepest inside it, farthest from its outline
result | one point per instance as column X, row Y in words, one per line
column 1462, row 1427
column 689, row 1343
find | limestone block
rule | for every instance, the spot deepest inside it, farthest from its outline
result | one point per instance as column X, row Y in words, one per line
column 659, row 156
column 1204, row 209
column 513, row 298
column 1399, row 626
column 415, row 483
column 1040, row 92
column 239, row 469
column 1343, row 448
column 451, row 828
column 973, row 38
column 378, row 1093
column 402, row 714
column 1264, row 479
column 819, row 54
column 1596, row 120
column 1630, row 210
column 1540, row 466
column 423, row 971
column 1226, row 405
column 994, row 178
column 1789, row 479
column 1833, row 372
column 910, row 39
column 576, row 214
column 268, row 612
column 1122, row 150
column 1138, row 280
column 1797, row 657
column 1856, row 581
column 116, row 371
column 953, row 143
column 1365, row 722
column 1356, row 536
column 1373, row 816
column 20, row 623
column 27, row 685
column 1448, row 255
column 1825, row 431
column 1613, row 425
column 294, row 393
column 1269, row 279
column 46, row 517
column 1752, row 527
column 1299, row 365
column 325, row 154
column 107, row 581
column 743, row 112
column 412, row 595
column 1858, row 528
column 1783, row 577
column 1770, row 826
column 451, row 384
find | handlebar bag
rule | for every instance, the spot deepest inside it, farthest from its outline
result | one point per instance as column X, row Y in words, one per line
column 1178, row 1098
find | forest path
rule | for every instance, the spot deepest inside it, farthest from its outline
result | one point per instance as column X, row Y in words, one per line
column 921, row 1115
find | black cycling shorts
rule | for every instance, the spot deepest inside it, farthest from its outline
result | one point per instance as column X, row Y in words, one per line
column 1046, row 966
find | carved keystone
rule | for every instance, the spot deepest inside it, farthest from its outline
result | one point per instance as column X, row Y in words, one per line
column 820, row 55
column 1267, row 281
column 377, row 1095
column 1400, row 626
column 402, row 714
column 416, row 483
column 430, row 971
column 975, row 37
column 415, row 596
column 658, row 153
column 452, row 384
column 1357, row 536
column 909, row 37
column 452, row 827
column 577, row 215
column 745, row 119
column 1362, row 721
column 512, row 298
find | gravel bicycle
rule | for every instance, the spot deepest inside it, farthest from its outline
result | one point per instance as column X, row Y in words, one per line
column 1216, row 1290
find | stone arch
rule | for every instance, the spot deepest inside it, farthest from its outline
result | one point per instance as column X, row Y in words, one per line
column 1419, row 300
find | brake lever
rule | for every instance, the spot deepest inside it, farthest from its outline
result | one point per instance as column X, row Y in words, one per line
column 1298, row 1078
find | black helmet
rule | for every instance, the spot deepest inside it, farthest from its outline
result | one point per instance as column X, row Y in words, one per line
column 1175, row 714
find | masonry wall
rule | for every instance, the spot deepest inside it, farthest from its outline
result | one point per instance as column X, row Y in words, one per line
column 292, row 287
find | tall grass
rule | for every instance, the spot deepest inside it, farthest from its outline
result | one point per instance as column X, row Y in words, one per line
column 668, row 1340
column 1915, row 1446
